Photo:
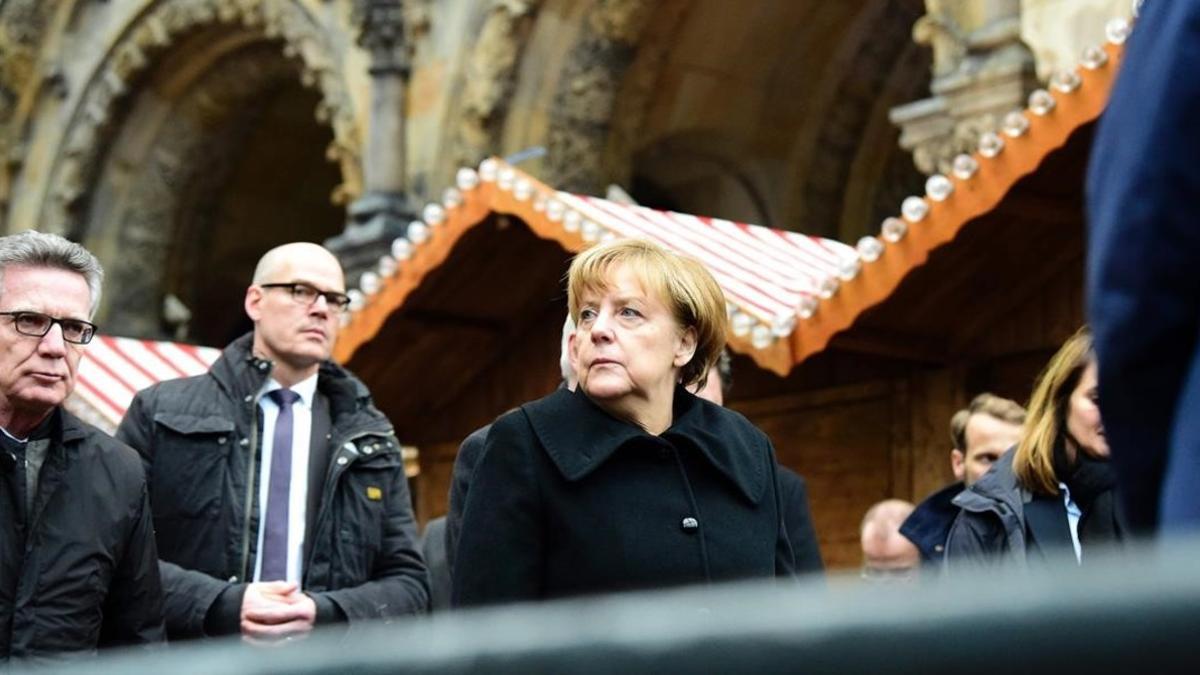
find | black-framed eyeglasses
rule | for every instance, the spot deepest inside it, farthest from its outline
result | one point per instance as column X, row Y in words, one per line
column 36, row 324
column 307, row 295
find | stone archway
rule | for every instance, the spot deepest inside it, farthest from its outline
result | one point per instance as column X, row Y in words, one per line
column 781, row 121
column 211, row 131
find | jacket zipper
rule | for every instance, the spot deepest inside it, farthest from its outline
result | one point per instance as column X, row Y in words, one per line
column 331, row 478
column 251, row 498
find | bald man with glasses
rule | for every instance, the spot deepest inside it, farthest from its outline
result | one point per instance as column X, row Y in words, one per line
column 278, row 490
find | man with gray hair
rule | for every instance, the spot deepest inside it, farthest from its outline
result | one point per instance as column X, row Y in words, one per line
column 78, row 566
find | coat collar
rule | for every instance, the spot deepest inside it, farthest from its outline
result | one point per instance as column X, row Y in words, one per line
column 73, row 428
column 998, row 486
column 579, row 436
column 242, row 373
column 929, row 524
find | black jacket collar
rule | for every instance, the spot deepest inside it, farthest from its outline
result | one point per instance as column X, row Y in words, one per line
column 928, row 525
column 242, row 373
column 579, row 436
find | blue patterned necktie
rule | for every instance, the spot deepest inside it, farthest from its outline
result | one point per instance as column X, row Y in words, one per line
column 275, row 524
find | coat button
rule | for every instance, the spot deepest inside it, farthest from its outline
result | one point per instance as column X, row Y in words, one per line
column 939, row 548
column 245, row 442
column 248, row 398
column 349, row 447
column 262, row 365
column 342, row 461
column 690, row 525
column 368, row 449
column 222, row 440
column 233, row 579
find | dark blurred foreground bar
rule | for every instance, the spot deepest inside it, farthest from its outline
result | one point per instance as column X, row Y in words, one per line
column 1140, row 613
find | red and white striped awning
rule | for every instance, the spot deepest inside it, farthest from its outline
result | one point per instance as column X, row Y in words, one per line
column 771, row 278
column 766, row 273
column 113, row 369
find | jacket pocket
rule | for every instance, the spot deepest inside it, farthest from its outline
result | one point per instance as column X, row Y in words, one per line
column 363, row 499
column 190, row 464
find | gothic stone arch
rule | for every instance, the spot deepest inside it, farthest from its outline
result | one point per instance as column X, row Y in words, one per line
column 179, row 48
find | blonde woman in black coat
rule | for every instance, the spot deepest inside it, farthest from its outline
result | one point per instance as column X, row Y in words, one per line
column 630, row 481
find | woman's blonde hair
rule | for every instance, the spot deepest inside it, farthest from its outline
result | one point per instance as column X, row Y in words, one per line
column 684, row 286
column 1045, row 425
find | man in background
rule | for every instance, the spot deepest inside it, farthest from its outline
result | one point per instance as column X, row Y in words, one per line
column 980, row 433
column 887, row 556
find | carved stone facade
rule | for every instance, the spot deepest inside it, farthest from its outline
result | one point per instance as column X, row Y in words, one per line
column 133, row 125
column 981, row 71
column 988, row 55
column 491, row 73
column 123, row 115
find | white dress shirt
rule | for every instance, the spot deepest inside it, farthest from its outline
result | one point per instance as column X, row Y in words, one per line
column 1073, row 515
column 298, row 490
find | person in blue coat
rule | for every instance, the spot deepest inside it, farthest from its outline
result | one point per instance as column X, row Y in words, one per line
column 1143, row 292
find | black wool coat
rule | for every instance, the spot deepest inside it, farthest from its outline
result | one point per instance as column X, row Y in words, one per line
column 568, row 500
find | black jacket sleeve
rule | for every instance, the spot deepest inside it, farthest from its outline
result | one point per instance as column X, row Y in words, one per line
column 137, row 427
column 976, row 540
column 400, row 583
column 464, row 467
column 188, row 595
column 798, row 519
column 133, row 609
column 501, row 543
column 1143, row 248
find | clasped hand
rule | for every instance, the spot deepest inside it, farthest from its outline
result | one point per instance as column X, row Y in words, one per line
column 275, row 611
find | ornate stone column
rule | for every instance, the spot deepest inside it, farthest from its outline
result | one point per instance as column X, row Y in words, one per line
column 981, row 71
column 385, row 209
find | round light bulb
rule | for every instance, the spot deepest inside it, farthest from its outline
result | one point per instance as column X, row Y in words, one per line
column 938, row 187
column 914, row 209
column 1117, row 31
column 807, row 307
column 386, row 266
column 1015, row 124
column 741, row 323
column 488, row 169
column 869, row 249
column 1093, row 58
column 1065, row 81
column 418, row 232
column 964, row 167
column 451, row 198
column 990, row 144
column 466, row 179
column 1041, row 102
column 369, row 282
column 433, row 214
column 523, row 189
column 761, row 337
column 893, row 229
column 401, row 248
